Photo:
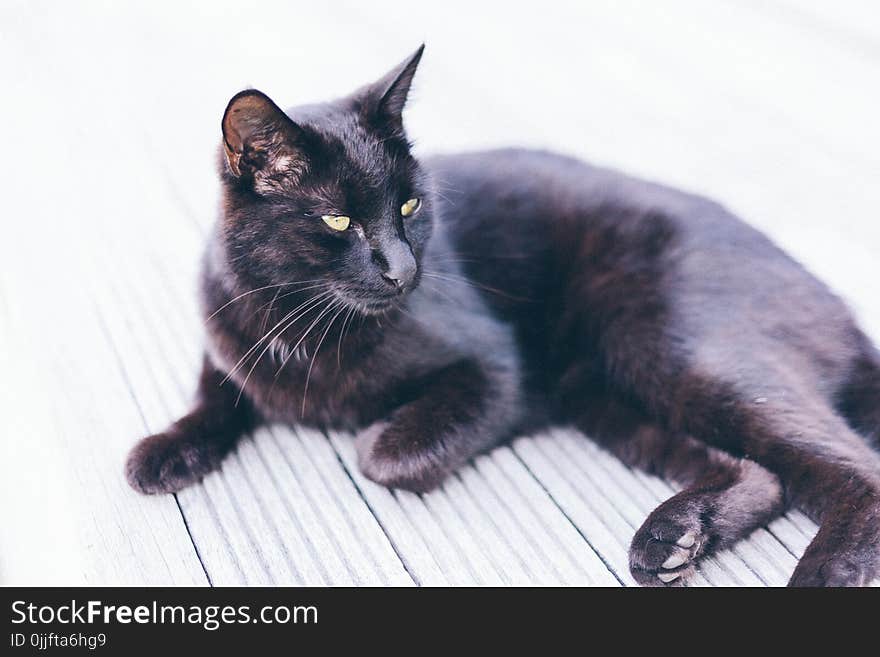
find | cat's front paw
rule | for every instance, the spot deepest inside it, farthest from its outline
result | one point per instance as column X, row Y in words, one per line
column 390, row 460
column 165, row 463
column 666, row 546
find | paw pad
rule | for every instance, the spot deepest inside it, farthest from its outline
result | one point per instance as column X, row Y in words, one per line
column 663, row 553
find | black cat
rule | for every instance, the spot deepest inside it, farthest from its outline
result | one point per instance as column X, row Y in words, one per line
column 439, row 307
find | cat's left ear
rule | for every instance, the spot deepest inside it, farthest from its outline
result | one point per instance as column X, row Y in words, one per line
column 387, row 96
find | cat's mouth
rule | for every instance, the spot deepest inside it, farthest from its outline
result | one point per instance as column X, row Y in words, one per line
column 368, row 305
column 369, row 302
column 375, row 306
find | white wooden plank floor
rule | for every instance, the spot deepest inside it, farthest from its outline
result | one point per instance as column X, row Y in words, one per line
column 111, row 116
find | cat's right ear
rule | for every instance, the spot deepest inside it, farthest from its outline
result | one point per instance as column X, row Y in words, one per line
column 260, row 141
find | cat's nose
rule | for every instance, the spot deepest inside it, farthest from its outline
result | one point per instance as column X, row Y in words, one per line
column 400, row 274
column 396, row 262
column 396, row 282
column 400, row 269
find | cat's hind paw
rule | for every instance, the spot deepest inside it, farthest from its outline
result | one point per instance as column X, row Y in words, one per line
column 665, row 549
column 836, row 571
column 846, row 555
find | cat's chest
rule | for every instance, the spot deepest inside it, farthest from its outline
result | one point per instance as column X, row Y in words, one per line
column 347, row 379
column 321, row 385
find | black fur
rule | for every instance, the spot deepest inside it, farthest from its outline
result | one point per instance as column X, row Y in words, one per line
column 529, row 288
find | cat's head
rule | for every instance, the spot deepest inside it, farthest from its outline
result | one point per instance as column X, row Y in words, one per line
column 327, row 195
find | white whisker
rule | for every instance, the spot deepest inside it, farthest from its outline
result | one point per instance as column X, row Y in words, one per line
column 314, row 301
column 324, row 311
column 314, row 356
column 345, row 324
column 259, row 289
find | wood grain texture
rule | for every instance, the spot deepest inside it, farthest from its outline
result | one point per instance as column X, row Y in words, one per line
column 111, row 119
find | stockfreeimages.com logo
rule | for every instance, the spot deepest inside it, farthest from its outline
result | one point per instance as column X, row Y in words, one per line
column 210, row 617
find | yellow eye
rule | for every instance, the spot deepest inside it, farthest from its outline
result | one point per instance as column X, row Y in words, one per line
column 336, row 222
column 410, row 207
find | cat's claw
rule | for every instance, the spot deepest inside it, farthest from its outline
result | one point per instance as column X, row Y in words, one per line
column 687, row 540
column 666, row 578
column 677, row 559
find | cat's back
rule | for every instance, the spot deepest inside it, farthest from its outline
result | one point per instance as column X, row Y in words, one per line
column 539, row 186
column 543, row 213
column 531, row 224
column 504, row 202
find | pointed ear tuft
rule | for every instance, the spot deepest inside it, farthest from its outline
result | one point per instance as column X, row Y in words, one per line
column 260, row 141
column 391, row 91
